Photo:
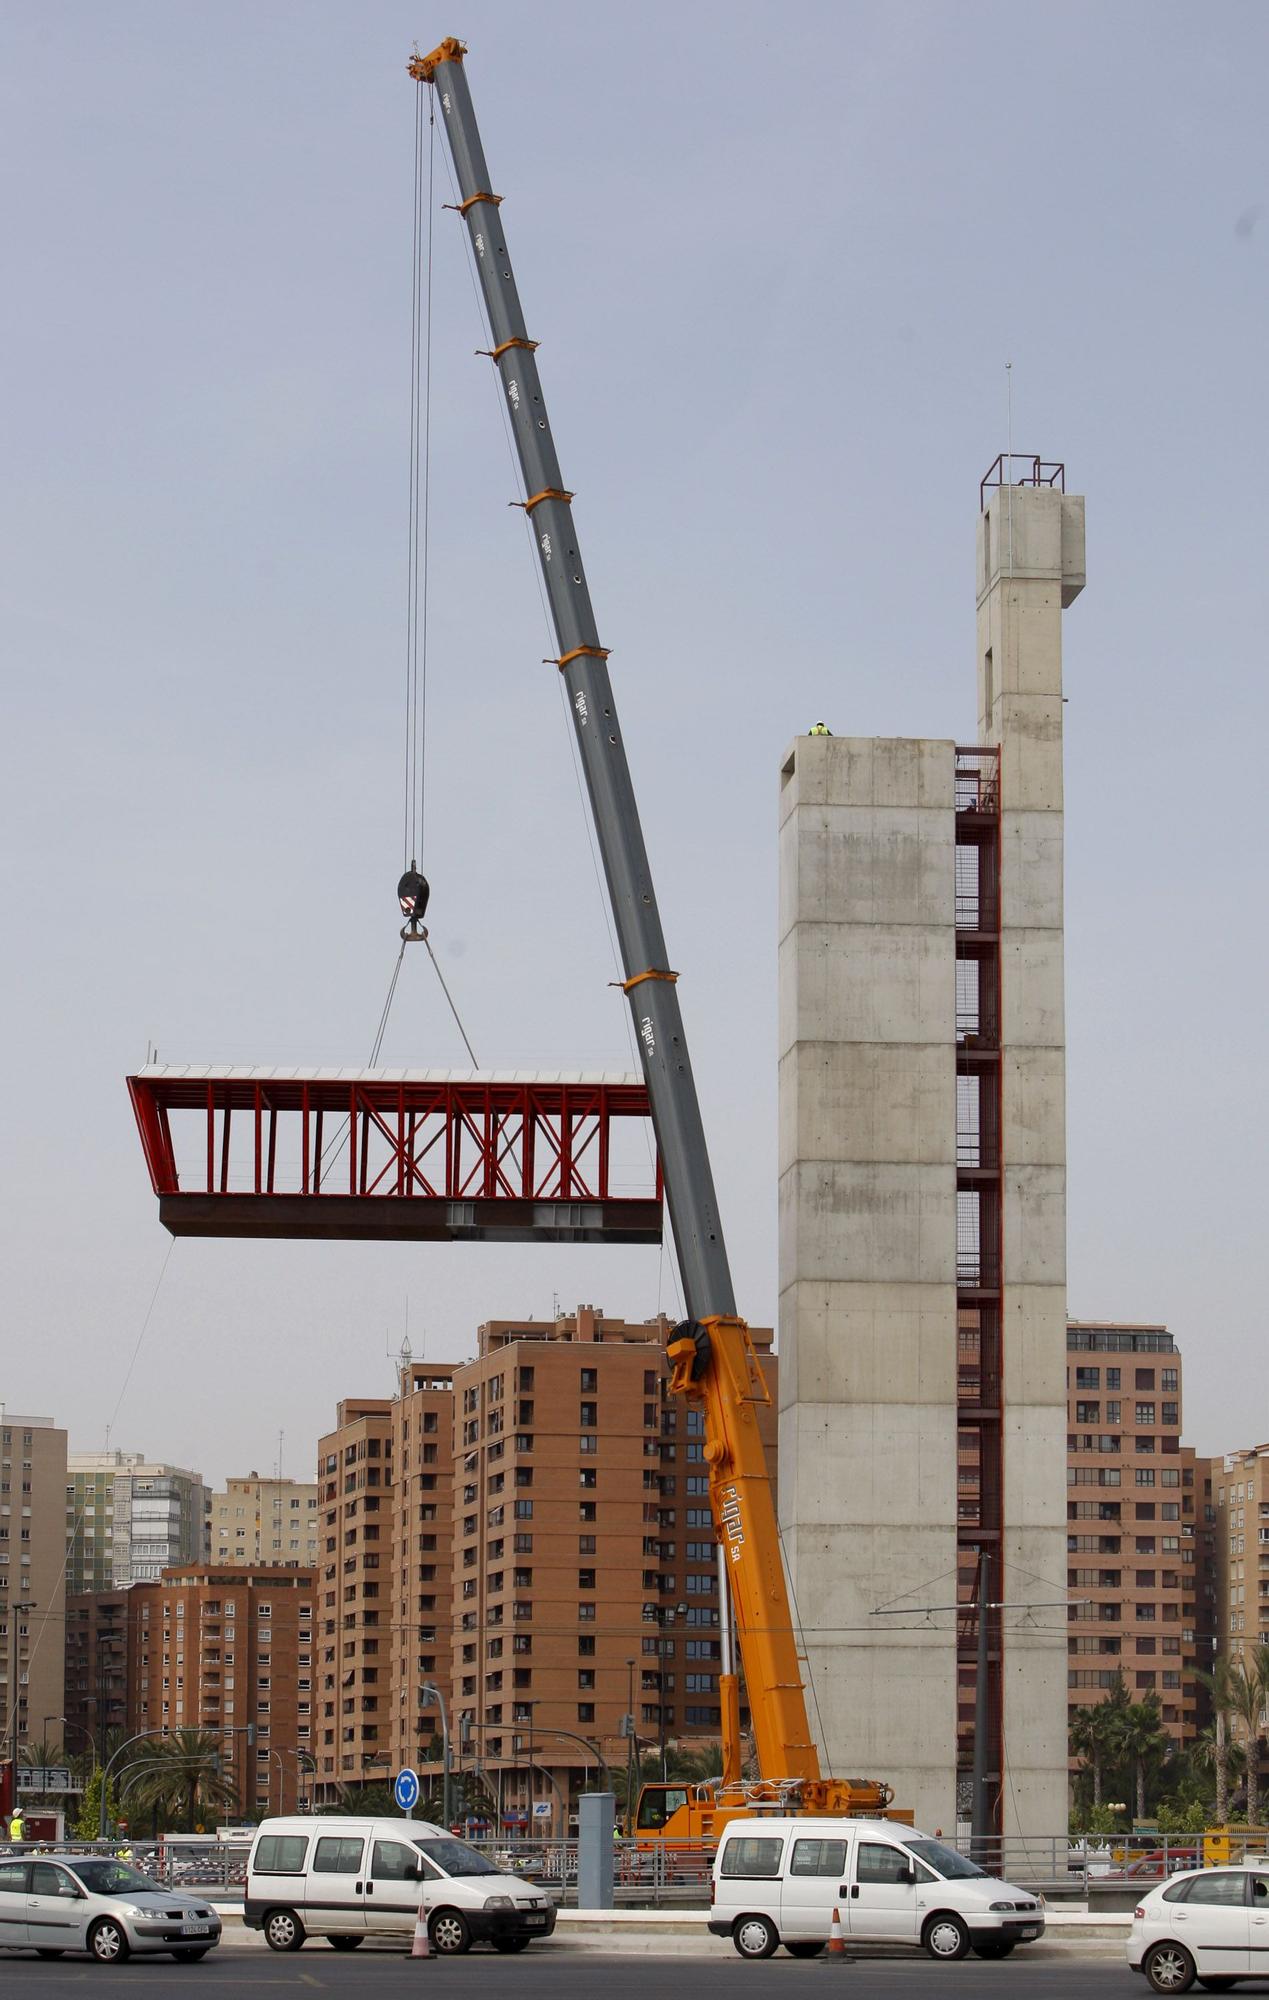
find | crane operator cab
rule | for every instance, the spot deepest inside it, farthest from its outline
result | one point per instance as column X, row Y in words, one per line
column 412, row 895
column 656, row 1803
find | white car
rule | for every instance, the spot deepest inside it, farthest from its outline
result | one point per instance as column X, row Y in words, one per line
column 780, row 1881
column 347, row 1879
column 55, row 1903
column 1210, row 1924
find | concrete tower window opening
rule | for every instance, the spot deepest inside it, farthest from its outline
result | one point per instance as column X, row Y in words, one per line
column 977, row 1245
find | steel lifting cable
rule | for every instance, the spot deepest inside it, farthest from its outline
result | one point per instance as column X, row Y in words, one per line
column 416, row 620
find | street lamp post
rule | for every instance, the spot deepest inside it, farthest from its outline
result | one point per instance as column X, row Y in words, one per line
column 108, row 1768
column 433, row 1693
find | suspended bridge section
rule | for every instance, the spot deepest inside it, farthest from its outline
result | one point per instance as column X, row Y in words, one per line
column 400, row 1155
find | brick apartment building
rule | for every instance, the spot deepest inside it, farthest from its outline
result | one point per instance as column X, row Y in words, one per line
column 101, row 1666
column 1239, row 1528
column 230, row 1650
column 385, row 1500
column 585, row 1573
column 552, row 1562
column 1132, row 1522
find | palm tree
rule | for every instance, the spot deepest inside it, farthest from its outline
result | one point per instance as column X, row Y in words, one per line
column 1092, row 1739
column 182, row 1770
column 1139, row 1735
column 1249, row 1691
column 1220, row 1692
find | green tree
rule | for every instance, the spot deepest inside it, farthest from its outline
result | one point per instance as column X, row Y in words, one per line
column 1093, row 1740
column 180, row 1776
column 1140, row 1737
column 1249, row 1691
column 88, row 1824
column 1220, row 1689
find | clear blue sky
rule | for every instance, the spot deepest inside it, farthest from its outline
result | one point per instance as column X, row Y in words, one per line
column 777, row 258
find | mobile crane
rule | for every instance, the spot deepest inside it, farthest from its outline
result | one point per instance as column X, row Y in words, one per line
column 711, row 1356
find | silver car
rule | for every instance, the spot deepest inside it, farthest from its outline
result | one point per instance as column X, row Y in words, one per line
column 56, row 1903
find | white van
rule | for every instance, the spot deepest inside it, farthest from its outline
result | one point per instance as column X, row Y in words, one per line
column 778, row 1881
column 347, row 1879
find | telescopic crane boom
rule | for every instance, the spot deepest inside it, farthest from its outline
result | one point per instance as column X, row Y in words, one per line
column 712, row 1357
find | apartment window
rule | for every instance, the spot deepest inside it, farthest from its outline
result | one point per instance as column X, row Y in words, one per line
column 588, row 1477
column 524, row 1510
column 522, row 1544
column 1145, row 1414
column 589, row 1380
column 585, row 1646
column 524, row 1475
column 586, row 1510
column 1170, row 1379
column 588, row 1444
column 586, row 1614
column 585, row 1677
column 588, row 1417
column 1171, row 1413
column 1144, row 1475
column 586, row 1545
column 585, row 1711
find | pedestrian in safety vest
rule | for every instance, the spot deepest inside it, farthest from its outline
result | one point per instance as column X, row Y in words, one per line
column 17, row 1825
column 820, row 729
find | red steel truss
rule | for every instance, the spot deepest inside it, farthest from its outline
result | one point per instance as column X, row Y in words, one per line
column 410, row 1155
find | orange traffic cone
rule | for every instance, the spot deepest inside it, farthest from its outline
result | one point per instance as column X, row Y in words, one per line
column 422, row 1946
column 836, row 1942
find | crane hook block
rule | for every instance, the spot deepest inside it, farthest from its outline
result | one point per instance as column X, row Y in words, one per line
column 412, row 895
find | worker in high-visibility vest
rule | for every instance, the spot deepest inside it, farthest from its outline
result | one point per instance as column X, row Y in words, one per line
column 17, row 1826
column 820, row 729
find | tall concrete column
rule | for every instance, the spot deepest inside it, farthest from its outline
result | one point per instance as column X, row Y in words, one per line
column 1030, row 567
column 868, row 1248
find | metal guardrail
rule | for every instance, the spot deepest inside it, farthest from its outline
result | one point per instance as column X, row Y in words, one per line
column 656, row 1876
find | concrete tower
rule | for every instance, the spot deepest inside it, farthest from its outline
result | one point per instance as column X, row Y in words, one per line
column 922, row 1207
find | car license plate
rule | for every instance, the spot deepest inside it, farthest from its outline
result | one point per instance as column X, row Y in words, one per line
column 535, row 1923
column 1030, row 1930
column 195, row 1930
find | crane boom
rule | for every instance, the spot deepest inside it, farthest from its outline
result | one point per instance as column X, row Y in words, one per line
column 583, row 661
column 712, row 1357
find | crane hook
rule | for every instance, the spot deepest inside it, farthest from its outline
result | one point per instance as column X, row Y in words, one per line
column 412, row 895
